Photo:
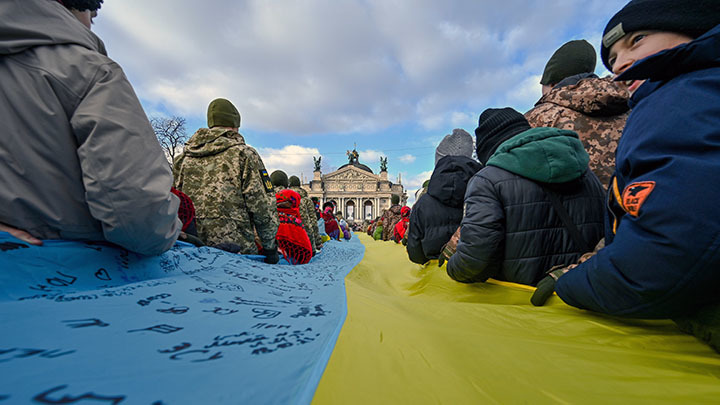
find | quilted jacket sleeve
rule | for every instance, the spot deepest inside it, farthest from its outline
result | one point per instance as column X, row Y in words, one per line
column 480, row 250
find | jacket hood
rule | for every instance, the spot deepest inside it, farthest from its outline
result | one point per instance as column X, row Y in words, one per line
column 590, row 96
column 698, row 54
column 206, row 142
column 450, row 178
column 547, row 155
column 396, row 209
column 29, row 23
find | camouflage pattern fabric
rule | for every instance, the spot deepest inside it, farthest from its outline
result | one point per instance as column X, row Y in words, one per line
column 594, row 108
column 390, row 218
column 227, row 181
column 307, row 215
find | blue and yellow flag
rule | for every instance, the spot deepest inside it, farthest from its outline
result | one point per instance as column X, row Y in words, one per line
column 91, row 323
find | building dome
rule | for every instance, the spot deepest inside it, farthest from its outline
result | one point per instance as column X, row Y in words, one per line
column 358, row 165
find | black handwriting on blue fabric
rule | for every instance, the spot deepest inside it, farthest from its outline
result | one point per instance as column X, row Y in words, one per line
column 180, row 347
column 84, row 323
column 18, row 353
column 7, row 246
column 202, row 290
column 63, row 281
column 265, row 313
column 174, row 310
column 179, row 356
column 44, row 397
column 305, row 311
column 163, row 328
column 221, row 311
column 242, row 301
column 264, row 325
column 102, row 274
column 148, row 300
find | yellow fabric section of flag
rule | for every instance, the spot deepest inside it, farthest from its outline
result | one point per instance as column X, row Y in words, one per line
column 414, row 336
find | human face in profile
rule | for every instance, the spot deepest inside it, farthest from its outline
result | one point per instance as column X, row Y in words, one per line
column 639, row 45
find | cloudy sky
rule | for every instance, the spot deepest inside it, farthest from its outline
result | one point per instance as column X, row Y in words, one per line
column 316, row 77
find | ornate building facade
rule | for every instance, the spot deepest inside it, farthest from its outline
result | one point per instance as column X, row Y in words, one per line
column 358, row 192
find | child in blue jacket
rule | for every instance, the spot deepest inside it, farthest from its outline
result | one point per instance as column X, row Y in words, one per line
column 662, row 254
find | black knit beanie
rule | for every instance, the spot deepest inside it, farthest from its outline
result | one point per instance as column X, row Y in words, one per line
column 495, row 126
column 395, row 199
column 571, row 59
column 222, row 113
column 279, row 178
column 690, row 17
column 294, row 181
column 82, row 5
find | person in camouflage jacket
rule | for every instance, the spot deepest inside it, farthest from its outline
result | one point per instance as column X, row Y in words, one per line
column 391, row 217
column 229, row 185
column 596, row 109
column 576, row 99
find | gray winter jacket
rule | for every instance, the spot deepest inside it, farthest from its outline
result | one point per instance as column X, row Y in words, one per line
column 78, row 157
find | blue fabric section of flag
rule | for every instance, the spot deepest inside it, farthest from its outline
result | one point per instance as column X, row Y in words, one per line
column 84, row 321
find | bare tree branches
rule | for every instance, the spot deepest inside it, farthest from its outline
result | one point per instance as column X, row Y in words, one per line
column 171, row 134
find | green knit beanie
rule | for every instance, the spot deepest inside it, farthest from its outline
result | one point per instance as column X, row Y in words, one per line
column 294, row 181
column 395, row 199
column 222, row 113
column 571, row 59
column 279, row 178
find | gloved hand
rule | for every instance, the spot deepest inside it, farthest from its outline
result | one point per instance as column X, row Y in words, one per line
column 546, row 286
column 186, row 237
column 271, row 255
column 449, row 248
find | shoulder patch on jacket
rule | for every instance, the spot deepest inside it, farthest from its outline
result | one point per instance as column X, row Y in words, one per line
column 635, row 195
column 266, row 180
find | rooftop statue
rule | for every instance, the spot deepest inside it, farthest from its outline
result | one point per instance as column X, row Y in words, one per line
column 383, row 164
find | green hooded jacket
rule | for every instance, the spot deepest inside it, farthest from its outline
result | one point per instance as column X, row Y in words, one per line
column 547, row 155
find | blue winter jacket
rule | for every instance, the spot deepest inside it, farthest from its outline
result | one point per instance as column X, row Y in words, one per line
column 662, row 256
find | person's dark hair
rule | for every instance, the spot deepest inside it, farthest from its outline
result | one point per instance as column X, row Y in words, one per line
column 82, row 5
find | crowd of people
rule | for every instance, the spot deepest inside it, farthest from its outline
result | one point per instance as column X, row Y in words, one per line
column 602, row 193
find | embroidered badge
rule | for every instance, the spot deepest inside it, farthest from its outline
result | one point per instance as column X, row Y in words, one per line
column 266, row 180
column 635, row 195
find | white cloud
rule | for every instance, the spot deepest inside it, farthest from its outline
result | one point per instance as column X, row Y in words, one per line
column 462, row 120
column 318, row 67
column 414, row 183
column 526, row 93
column 407, row 158
column 371, row 157
column 294, row 160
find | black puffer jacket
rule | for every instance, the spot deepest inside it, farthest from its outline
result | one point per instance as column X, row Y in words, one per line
column 437, row 214
column 511, row 230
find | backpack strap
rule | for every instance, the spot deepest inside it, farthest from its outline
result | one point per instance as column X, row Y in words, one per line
column 575, row 234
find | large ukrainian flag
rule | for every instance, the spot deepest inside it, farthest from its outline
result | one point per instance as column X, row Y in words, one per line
column 89, row 323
